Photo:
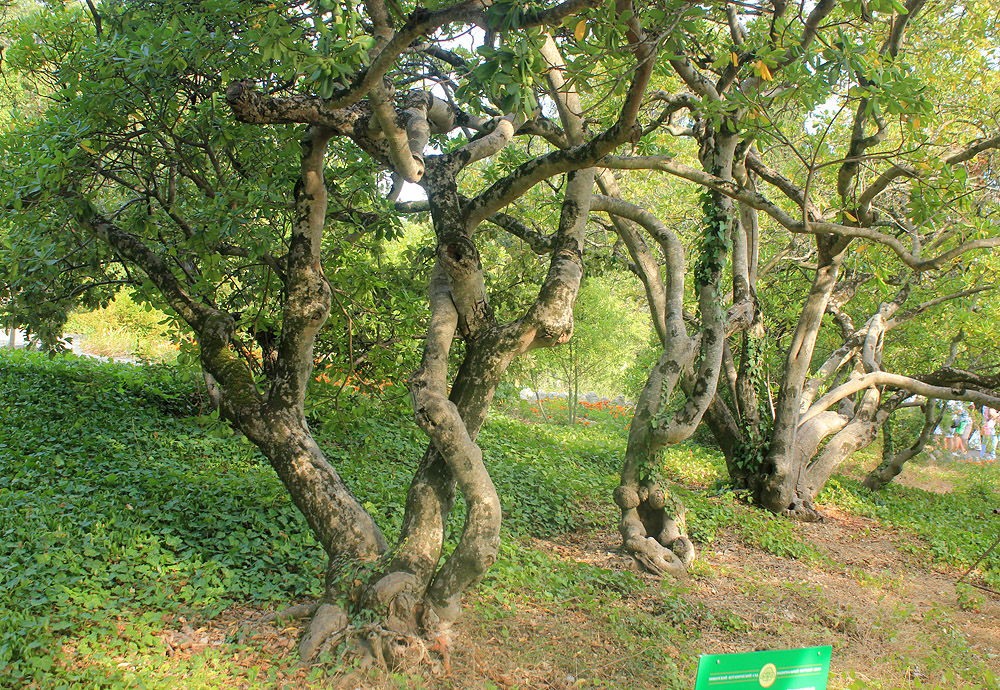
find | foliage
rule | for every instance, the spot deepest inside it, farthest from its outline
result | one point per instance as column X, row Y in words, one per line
column 714, row 240
column 118, row 504
column 752, row 446
column 123, row 501
column 126, row 505
column 136, row 125
column 125, row 328
column 545, row 578
column 594, row 359
column 957, row 527
column 768, row 532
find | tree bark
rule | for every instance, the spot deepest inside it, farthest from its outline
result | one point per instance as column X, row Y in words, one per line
column 776, row 485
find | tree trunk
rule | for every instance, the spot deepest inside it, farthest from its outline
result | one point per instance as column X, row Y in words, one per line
column 777, row 483
column 342, row 526
column 652, row 523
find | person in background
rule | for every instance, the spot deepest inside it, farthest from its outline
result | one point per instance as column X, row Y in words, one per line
column 953, row 440
column 988, row 433
column 966, row 423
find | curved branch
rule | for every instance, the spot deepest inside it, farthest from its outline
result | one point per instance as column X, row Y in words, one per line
column 673, row 249
column 915, row 386
column 307, row 292
column 485, row 146
column 893, row 464
column 795, row 225
column 539, row 243
column 953, row 376
column 811, row 29
column 405, row 146
column 782, row 183
column 581, row 155
column 899, row 22
column 921, row 308
column 886, row 178
column 645, row 264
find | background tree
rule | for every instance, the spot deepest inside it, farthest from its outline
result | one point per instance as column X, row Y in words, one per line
column 240, row 163
column 894, row 177
column 610, row 331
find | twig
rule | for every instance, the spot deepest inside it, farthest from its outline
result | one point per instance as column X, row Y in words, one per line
column 973, row 567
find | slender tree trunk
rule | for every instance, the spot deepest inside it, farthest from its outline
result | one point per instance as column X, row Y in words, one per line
column 892, row 462
column 727, row 434
column 652, row 524
column 416, row 591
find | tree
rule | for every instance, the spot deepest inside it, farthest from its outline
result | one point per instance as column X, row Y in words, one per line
column 765, row 89
column 176, row 133
column 597, row 355
column 138, row 165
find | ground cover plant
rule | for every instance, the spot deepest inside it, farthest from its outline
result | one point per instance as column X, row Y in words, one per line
column 118, row 508
column 241, row 166
column 140, row 537
column 123, row 500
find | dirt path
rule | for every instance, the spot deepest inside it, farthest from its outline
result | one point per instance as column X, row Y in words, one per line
column 891, row 616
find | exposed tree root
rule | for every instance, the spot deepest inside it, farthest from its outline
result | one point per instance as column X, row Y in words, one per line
column 442, row 645
column 385, row 645
column 389, row 649
column 328, row 627
column 372, row 644
column 297, row 612
column 661, row 560
column 652, row 528
column 804, row 510
column 397, row 596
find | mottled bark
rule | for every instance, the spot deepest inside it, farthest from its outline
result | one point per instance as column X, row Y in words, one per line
column 274, row 420
column 818, row 419
column 460, row 307
column 652, row 522
column 865, row 401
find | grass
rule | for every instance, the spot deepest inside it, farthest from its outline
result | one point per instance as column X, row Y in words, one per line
column 131, row 517
column 124, row 504
column 957, row 527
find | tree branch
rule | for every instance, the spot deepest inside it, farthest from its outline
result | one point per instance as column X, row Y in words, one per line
column 915, row 386
column 795, row 225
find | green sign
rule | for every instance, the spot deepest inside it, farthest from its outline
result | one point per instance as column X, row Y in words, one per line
column 786, row 669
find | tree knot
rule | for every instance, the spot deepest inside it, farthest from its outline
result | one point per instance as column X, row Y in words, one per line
column 626, row 497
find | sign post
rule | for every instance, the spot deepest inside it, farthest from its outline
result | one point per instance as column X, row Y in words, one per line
column 787, row 669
